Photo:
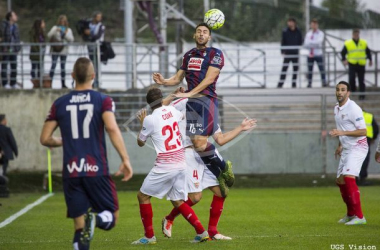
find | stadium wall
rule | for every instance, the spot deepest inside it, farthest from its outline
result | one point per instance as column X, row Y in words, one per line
column 255, row 153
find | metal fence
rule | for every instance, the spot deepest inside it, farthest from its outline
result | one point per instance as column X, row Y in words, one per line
column 247, row 65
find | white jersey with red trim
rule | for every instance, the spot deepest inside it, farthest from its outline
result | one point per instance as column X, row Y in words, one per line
column 349, row 117
column 180, row 105
column 162, row 126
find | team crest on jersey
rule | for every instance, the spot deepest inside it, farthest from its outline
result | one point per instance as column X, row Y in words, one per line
column 196, row 184
column 195, row 64
column 216, row 60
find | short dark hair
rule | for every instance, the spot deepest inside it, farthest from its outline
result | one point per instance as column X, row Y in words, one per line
column 292, row 19
column 8, row 15
column 345, row 83
column 96, row 13
column 2, row 117
column 81, row 67
column 355, row 31
column 314, row 20
column 203, row 25
column 154, row 98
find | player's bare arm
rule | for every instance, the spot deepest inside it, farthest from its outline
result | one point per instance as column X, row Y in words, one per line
column 174, row 80
column 212, row 73
column 117, row 141
column 377, row 155
column 338, row 151
column 246, row 125
column 355, row 133
column 141, row 116
column 167, row 100
column 47, row 139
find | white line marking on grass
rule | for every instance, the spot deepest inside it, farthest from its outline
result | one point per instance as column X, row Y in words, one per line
column 24, row 210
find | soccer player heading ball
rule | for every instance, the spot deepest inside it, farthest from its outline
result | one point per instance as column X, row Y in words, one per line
column 352, row 149
column 201, row 67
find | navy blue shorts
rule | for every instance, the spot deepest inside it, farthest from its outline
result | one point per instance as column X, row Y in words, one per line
column 202, row 116
column 81, row 193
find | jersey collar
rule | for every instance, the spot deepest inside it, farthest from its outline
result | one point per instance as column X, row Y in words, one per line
column 345, row 105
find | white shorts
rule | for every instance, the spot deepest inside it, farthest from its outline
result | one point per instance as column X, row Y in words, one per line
column 171, row 184
column 198, row 176
column 351, row 161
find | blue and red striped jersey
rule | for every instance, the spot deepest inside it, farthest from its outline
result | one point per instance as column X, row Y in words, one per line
column 79, row 117
column 196, row 62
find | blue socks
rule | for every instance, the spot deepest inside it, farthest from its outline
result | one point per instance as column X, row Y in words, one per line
column 76, row 241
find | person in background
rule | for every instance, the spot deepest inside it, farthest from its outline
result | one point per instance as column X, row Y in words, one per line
column 60, row 33
column 37, row 51
column 314, row 42
column 95, row 34
column 8, row 144
column 372, row 132
column 10, row 36
column 355, row 53
column 292, row 37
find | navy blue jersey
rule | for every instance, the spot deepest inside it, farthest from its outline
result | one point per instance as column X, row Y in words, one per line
column 196, row 62
column 79, row 117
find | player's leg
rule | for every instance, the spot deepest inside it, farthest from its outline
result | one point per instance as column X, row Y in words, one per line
column 77, row 203
column 361, row 73
column 351, row 76
column 364, row 170
column 350, row 172
column 146, row 213
column 177, row 195
column 321, row 67
column 285, row 65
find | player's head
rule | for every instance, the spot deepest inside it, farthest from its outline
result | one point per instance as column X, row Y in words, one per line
column 83, row 71
column 314, row 24
column 154, row 98
column 97, row 16
column 3, row 119
column 292, row 23
column 202, row 35
column 342, row 91
column 355, row 34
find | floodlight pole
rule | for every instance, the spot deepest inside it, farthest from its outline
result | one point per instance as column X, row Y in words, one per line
column 206, row 4
column 9, row 5
column 129, row 39
column 307, row 15
column 163, row 66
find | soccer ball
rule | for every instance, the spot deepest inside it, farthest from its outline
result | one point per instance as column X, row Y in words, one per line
column 214, row 19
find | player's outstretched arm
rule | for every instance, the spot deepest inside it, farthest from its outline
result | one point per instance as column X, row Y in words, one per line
column 246, row 125
column 167, row 100
column 174, row 80
column 117, row 141
column 46, row 138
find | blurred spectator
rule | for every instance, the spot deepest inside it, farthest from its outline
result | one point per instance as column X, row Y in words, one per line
column 314, row 42
column 10, row 39
column 95, row 34
column 355, row 53
column 37, row 51
column 8, row 144
column 60, row 33
column 372, row 133
column 292, row 37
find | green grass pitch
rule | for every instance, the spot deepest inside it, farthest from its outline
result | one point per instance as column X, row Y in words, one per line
column 278, row 218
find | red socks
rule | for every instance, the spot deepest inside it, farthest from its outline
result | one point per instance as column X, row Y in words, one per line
column 353, row 196
column 146, row 213
column 189, row 214
column 175, row 212
column 215, row 213
column 346, row 199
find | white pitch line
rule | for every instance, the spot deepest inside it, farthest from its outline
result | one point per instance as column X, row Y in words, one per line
column 24, row 210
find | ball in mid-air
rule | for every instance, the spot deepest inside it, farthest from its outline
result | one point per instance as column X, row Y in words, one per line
column 214, row 19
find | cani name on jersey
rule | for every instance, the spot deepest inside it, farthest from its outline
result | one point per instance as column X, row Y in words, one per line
column 167, row 116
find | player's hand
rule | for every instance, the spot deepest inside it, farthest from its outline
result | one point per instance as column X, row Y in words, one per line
column 248, row 124
column 125, row 169
column 345, row 62
column 338, row 152
column 141, row 115
column 158, row 78
column 377, row 157
column 370, row 63
column 336, row 133
column 179, row 90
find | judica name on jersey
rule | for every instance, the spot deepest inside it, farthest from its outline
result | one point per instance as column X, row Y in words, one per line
column 81, row 98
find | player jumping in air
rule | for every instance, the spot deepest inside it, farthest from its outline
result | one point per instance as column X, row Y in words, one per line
column 199, row 177
column 82, row 116
column 352, row 149
column 201, row 67
column 168, row 176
